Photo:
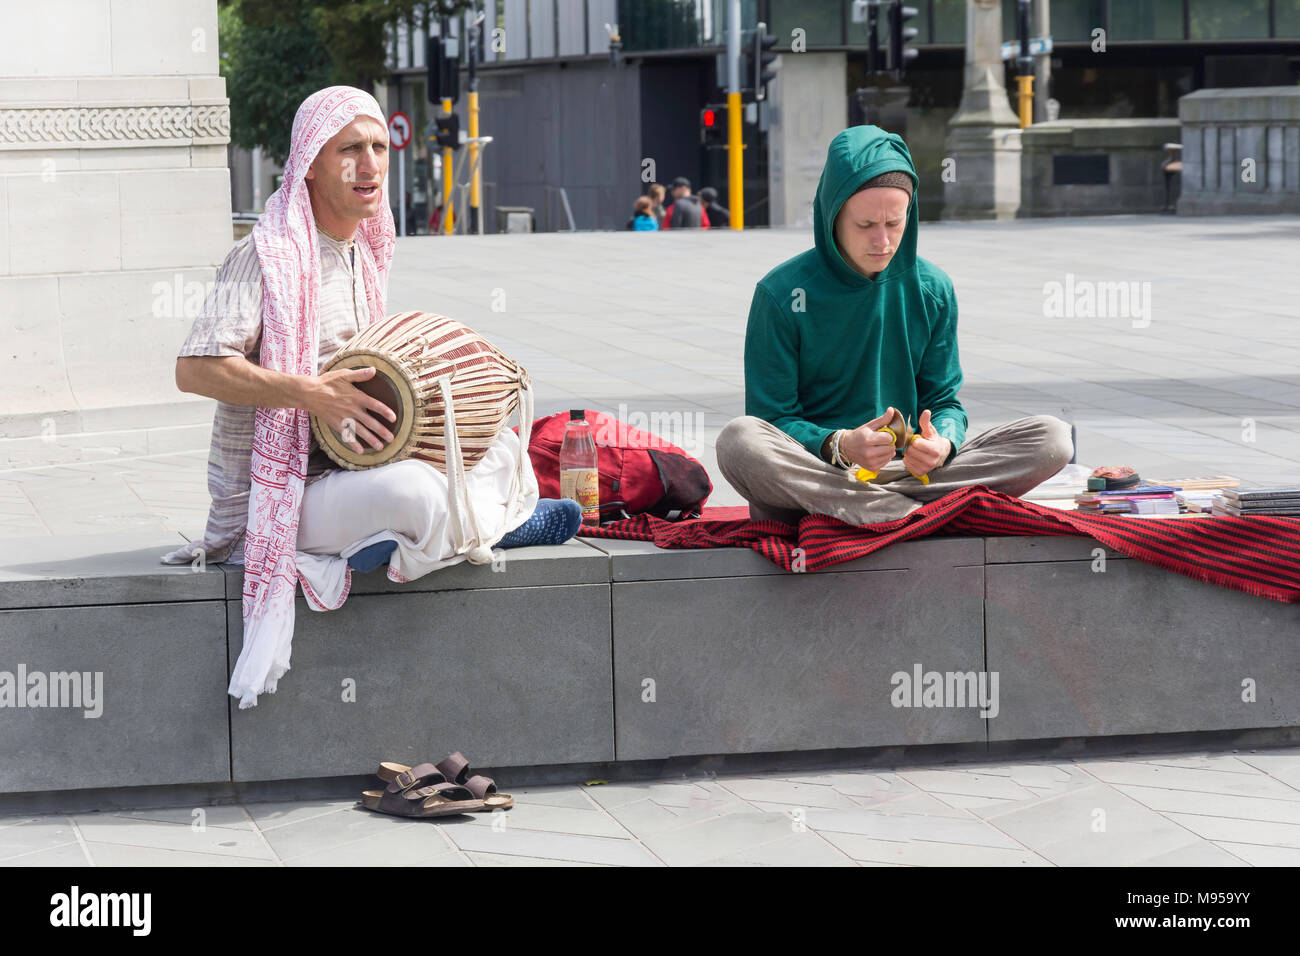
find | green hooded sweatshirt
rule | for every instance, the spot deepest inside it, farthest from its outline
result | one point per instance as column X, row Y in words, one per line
column 828, row 348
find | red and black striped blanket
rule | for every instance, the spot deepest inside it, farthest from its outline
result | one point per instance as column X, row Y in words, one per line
column 1259, row 555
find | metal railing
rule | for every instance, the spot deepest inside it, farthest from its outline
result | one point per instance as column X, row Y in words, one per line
column 557, row 197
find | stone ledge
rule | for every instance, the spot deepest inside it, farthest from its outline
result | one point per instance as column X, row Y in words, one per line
column 643, row 561
column 545, row 664
column 100, row 571
column 1101, row 134
column 1247, row 104
column 570, row 563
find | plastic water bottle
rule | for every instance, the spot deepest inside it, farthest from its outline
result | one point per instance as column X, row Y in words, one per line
column 579, row 477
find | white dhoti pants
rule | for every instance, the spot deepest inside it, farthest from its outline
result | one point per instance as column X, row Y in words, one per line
column 406, row 502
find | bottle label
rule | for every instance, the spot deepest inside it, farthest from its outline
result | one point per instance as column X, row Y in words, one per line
column 583, row 486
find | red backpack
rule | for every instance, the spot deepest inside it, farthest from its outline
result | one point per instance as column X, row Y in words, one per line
column 640, row 473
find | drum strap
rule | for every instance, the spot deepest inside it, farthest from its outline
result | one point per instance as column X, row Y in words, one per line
column 462, row 509
column 457, row 487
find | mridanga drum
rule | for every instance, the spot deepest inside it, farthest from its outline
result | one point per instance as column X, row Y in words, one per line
column 453, row 393
column 410, row 352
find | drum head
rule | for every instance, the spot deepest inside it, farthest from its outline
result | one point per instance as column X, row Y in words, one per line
column 392, row 387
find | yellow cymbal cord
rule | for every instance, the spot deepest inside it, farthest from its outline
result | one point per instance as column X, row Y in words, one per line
column 904, row 428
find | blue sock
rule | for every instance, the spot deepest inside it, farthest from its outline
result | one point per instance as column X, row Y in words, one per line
column 555, row 521
column 372, row 557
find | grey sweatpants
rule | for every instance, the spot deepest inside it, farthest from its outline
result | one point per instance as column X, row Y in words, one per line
column 782, row 481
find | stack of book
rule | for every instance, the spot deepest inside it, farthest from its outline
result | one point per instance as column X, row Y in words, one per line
column 1196, row 495
column 1142, row 499
column 1258, row 501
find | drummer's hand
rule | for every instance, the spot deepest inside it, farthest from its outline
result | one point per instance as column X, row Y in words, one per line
column 349, row 411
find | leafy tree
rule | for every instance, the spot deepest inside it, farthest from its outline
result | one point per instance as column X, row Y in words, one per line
column 276, row 53
column 270, row 69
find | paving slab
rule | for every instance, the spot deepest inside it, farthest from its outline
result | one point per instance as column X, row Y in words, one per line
column 1093, row 826
column 919, row 853
column 1071, row 819
column 529, row 843
column 115, row 854
column 34, row 834
column 66, row 854
column 799, row 849
column 220, row 841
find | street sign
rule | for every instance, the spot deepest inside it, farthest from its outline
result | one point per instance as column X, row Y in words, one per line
column 1038, row 46
column 399, row 130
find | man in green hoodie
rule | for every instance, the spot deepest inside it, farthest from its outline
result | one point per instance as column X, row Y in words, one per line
column 841, row 336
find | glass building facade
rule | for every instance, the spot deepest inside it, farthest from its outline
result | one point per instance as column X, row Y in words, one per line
column 1156, row 52
column 550, row 29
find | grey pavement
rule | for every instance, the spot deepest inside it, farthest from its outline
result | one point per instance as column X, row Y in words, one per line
column 1191, row 809
column 1200, row 376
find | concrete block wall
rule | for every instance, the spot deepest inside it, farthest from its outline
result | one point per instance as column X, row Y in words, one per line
column 113, row 185
column 1133, row 149
column 1241, row 151
column 606, row 651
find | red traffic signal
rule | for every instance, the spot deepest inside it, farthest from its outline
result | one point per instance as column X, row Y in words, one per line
column 713, row 125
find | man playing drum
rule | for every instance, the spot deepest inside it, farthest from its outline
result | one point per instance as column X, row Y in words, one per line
column 313, row 273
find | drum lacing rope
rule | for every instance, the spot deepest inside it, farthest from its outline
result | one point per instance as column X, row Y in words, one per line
column 458, row 486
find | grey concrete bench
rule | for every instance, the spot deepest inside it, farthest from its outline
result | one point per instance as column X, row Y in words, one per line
column 600, row 651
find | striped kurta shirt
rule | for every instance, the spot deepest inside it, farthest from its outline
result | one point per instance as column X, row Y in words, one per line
column 230, row 323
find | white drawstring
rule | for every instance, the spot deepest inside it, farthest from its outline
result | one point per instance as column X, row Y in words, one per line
column 462, row 508
column 458, row 487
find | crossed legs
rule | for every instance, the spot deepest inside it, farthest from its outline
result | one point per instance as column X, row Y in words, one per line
column 781, row 480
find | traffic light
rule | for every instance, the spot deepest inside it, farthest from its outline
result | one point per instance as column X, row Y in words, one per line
column 443, row 59
column 713, row 126
column 761, row 60
column 448, row 125
column 900, row 54
column 875, row 60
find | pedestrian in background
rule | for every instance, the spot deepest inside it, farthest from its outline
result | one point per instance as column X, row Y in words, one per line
column 685, row 211
column 643, row 219
column 656, row 194
column 719, row 217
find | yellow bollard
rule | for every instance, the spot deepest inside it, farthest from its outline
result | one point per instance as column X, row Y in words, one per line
column 1026, row 84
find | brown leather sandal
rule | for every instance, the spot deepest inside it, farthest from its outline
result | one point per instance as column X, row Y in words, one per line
column 454, row 768
column 421, row 792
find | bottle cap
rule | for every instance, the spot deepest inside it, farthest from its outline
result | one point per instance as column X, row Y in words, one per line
column 577, row 414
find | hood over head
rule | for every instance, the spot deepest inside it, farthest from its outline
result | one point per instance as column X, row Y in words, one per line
column 856, row 155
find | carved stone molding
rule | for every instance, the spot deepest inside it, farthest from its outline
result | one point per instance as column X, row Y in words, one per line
column 115, row 126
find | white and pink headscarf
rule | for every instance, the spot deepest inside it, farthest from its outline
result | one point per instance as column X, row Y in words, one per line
column 289, row 254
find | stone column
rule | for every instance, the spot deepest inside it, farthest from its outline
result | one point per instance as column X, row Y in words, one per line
column 114, row 213
column 982, row 150
column 804, row 120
